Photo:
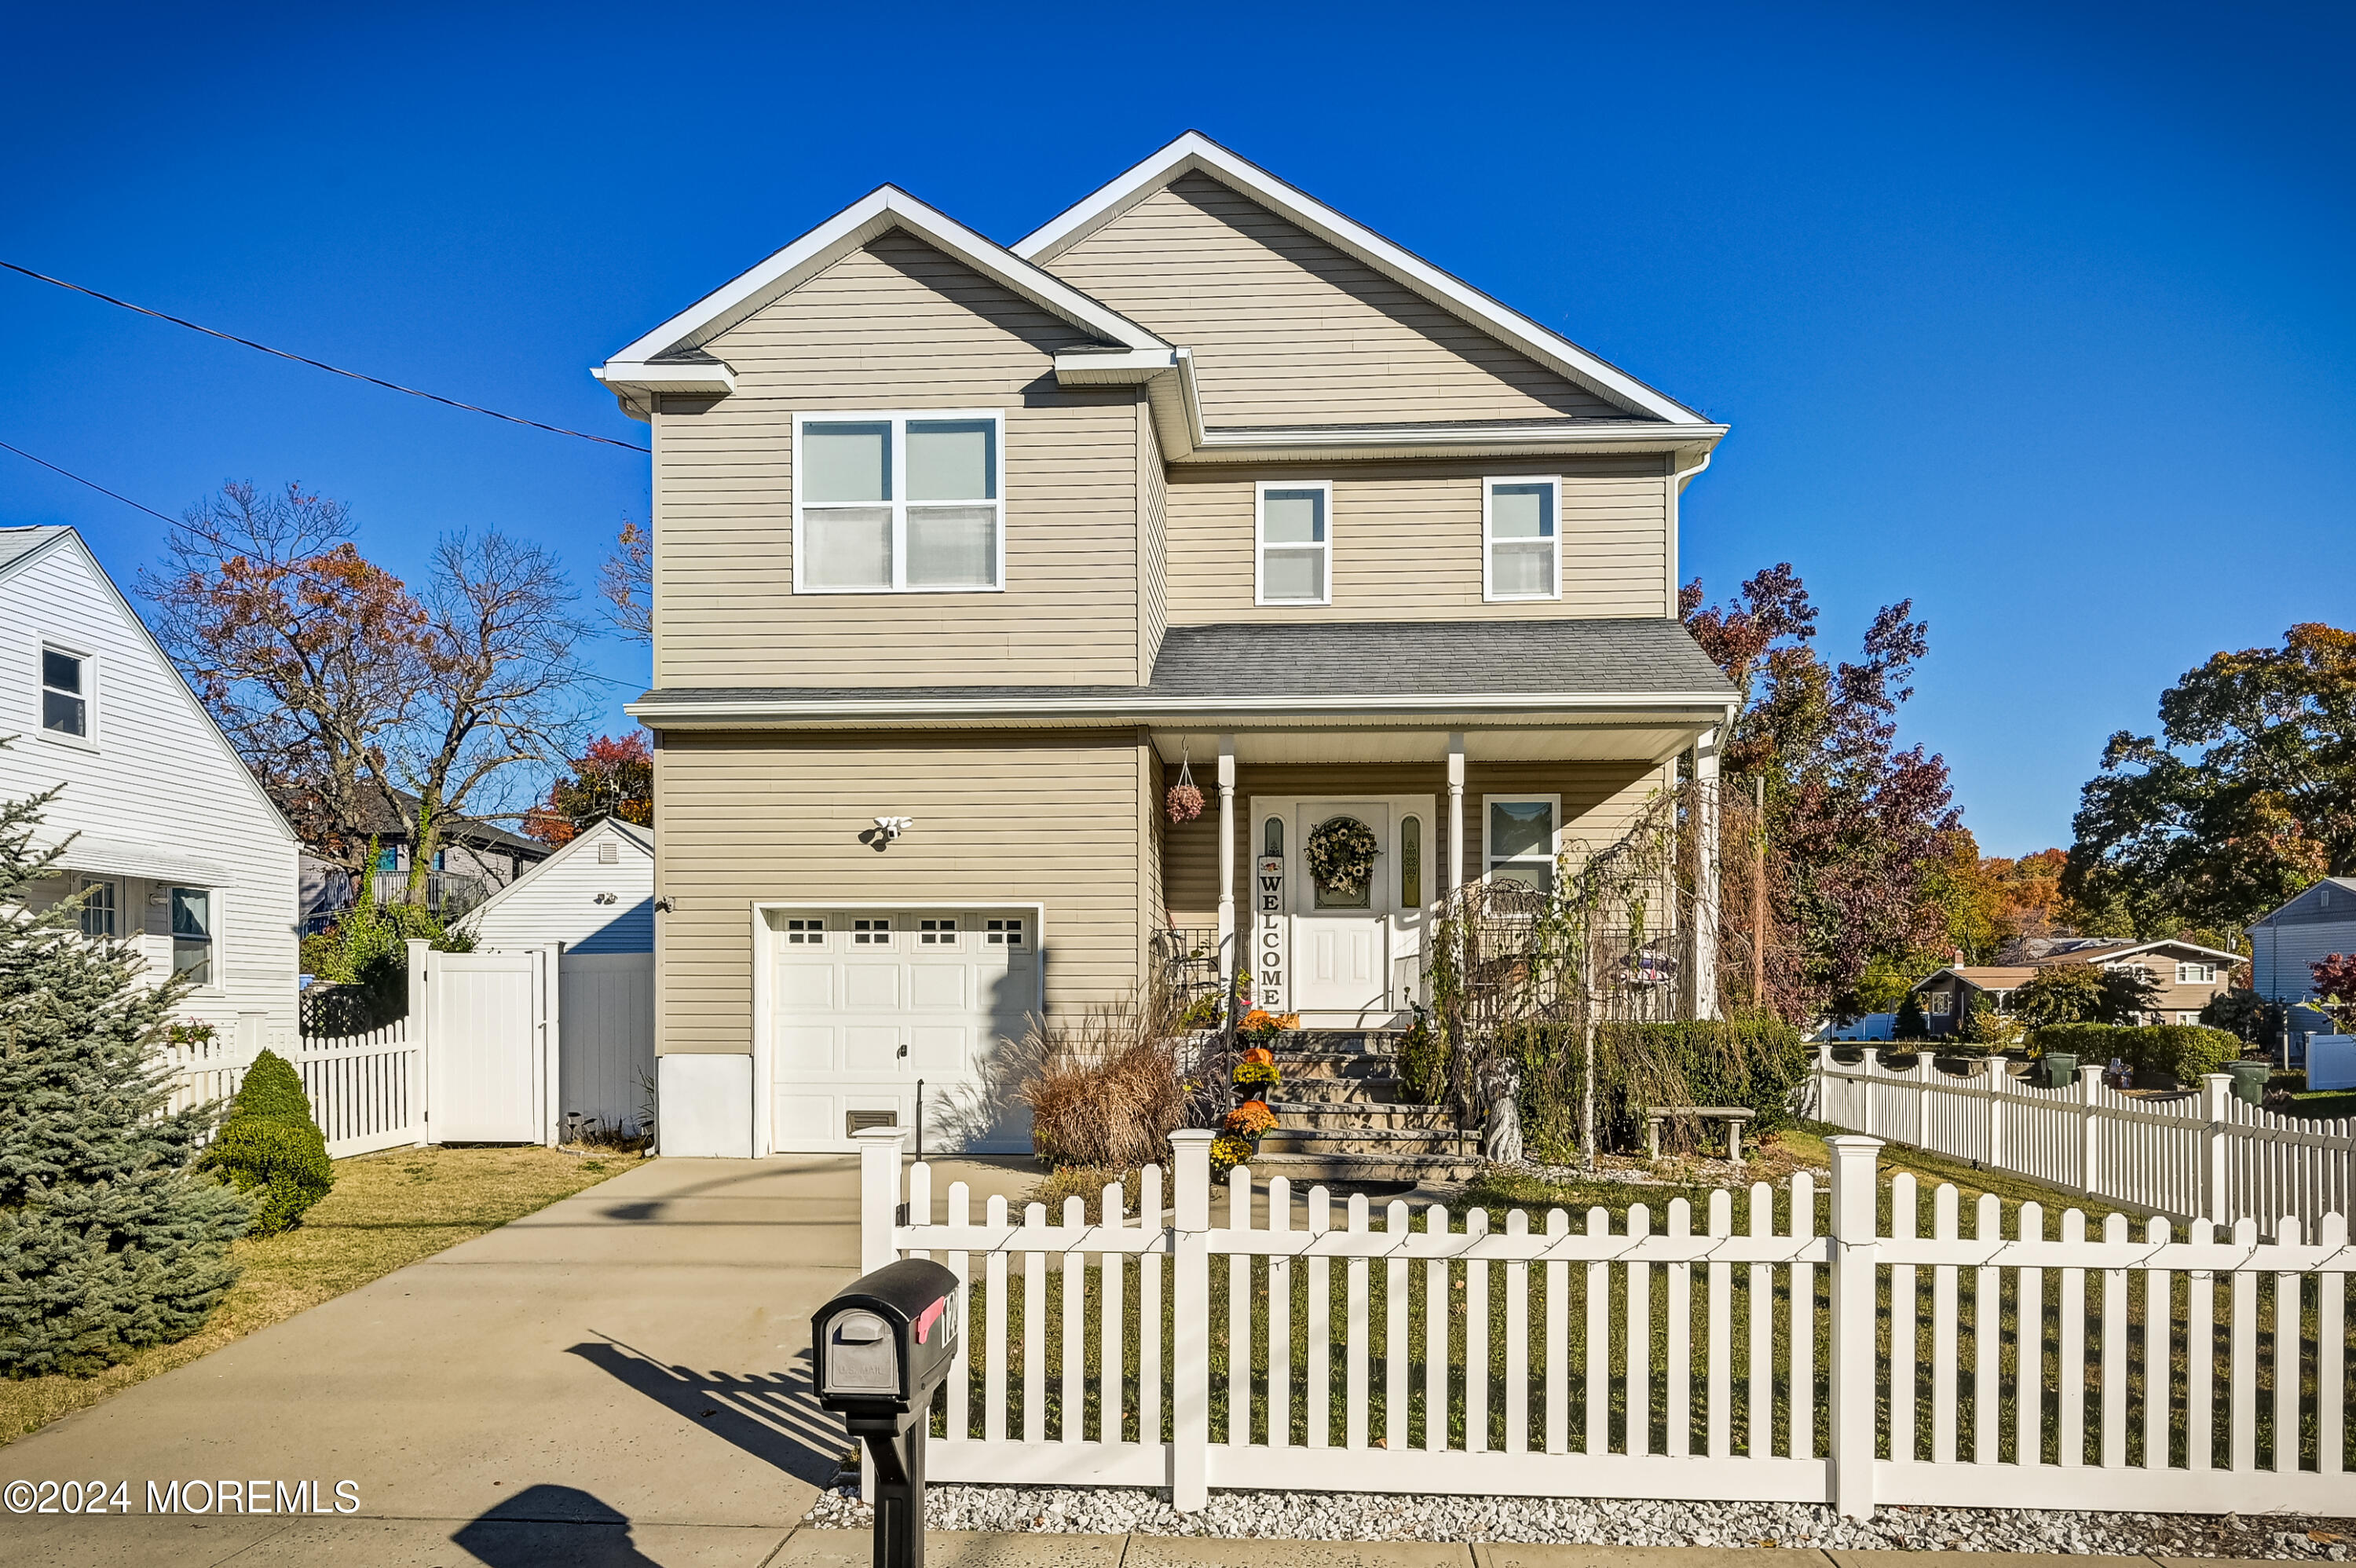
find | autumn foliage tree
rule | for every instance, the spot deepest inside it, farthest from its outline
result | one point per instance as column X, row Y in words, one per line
column 2244, row 798
column 344, row 688
column 615, row 776
column 1857, row 825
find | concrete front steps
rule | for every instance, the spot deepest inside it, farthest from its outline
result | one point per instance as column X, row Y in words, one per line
column 1341, row 1119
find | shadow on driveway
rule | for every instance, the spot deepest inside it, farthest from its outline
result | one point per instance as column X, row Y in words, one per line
column 775, row 1416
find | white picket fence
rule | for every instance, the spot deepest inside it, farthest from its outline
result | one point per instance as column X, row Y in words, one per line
column 1349, row 1381
column 366, row 1091
column 2202, row 1155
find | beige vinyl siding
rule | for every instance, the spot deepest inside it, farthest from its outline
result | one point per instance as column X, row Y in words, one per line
column 1600, row 802
column 1000, row 818
column 896, row 326
column 1287, row 330
column 1406, row 541
column 1152, row 534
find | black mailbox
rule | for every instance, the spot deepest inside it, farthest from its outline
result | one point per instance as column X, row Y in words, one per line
column 882, row 1346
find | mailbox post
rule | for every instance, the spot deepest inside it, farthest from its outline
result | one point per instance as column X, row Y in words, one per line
column 882, row 1346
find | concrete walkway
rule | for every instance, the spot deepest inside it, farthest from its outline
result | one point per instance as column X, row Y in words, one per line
column 621, row 1378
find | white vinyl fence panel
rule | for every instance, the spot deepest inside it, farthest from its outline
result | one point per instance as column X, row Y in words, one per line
column 365, row 1090
column 607, row 1045
column 2204, row 1155
column 1764, row 1375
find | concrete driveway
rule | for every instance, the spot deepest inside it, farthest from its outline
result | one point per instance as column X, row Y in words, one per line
column 621, row 1378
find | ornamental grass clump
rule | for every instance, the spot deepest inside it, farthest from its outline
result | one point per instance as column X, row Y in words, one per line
column 1106, row 1090
column 270, row 1150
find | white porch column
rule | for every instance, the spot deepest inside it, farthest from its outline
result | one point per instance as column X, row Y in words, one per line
column 1456, row 810
column 1227, row 861
column 1705, row 936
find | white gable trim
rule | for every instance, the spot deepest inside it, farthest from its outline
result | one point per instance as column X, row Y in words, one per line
column 179, row 682
column 602, row 827
column 642, row 367
column 1195, row 151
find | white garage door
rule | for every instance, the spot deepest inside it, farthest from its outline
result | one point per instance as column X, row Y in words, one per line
column 867, row 1002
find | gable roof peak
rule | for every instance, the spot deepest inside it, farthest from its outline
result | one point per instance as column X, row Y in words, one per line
column 1194, row 152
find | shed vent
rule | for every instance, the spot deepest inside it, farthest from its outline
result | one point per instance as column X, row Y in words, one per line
column 609, row 853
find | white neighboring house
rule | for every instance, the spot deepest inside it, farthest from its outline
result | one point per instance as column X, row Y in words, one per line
column 596, row 898
column 186, row 857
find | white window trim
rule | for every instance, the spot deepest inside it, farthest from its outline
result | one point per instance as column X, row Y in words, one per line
column 1554, row 841
column 1488, row 542
column 88, row 740
column 215, row 982
column 1260, row 540
column 1940, row 1004
column 898, row 420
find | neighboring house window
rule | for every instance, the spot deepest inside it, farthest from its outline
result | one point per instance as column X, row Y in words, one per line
column 98, row 908
column 1521, row 538
column 2003, row 1001
column 439, row 857
column 898, row 504
column 1519, row 841
column 1936, row 1003
column 388, row 857
column 1411, row 863
column 2188, row 1017
column 64, row 693
column 192, row 934
column 2196, row 973
column 1296, row 546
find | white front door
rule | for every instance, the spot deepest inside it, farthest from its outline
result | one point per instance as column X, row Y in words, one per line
column 1340, row 958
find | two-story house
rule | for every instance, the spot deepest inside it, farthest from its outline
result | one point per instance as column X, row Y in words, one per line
column 169, row 840
column 2186, row 977
column 962, row 552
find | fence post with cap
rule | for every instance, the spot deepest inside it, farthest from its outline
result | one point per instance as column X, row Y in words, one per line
column 1856, row 1252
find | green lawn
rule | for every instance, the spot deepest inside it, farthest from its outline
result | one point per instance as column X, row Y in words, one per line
column 386, row 1211
column 1505, row 1191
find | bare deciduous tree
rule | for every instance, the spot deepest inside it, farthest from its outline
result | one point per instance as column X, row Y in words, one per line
column 626, row 582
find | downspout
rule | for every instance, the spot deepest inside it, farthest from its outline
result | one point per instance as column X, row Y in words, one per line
column 1678, row 479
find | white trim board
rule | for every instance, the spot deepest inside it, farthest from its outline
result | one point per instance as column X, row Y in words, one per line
column 1194, row 151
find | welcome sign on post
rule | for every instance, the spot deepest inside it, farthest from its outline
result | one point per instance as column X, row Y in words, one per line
column 1269, row 931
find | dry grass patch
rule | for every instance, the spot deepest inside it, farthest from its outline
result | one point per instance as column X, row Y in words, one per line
column 387, row 1210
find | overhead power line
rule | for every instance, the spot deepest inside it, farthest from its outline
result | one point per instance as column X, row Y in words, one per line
column 315, row 364
column 79, row 480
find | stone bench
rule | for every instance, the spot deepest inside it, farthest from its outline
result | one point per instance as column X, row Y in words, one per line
column 1732, row 1115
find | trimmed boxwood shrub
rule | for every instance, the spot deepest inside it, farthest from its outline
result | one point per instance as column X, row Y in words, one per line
column 270, row 1150
column 1755, row 1063
column 2186, row 1053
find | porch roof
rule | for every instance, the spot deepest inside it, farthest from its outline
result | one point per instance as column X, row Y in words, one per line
column 1419, row 671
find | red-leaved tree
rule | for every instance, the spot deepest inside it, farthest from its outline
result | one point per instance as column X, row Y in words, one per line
column 615, row 776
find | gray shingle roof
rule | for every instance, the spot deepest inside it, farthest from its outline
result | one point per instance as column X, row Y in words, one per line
column 1575, row 658
column 17, row 543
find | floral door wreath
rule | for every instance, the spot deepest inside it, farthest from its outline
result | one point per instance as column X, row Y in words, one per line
column 1340, row 855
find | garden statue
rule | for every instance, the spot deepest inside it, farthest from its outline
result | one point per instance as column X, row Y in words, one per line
column 1500, row 1135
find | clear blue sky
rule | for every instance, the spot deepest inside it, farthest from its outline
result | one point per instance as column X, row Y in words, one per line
column 2039, row 315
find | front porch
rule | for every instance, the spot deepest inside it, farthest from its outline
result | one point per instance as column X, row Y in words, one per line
column 1252, row 881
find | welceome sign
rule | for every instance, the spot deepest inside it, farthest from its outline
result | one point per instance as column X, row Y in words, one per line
column 1270, row 929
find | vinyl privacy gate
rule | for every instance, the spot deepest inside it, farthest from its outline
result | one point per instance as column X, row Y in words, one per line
column 1813, row 1348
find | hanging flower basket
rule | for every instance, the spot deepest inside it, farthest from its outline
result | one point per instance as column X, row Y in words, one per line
column 1340, row 855
column 1184, row 801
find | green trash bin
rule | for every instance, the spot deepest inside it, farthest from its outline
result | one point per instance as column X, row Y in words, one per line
column 2057, row 1070
column 2249, row 1080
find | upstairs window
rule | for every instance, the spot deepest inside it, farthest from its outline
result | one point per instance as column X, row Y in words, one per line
column 64, row 693
column 899, row 504
column 1522, row 547
column 2196, row 973
column 1295, row 545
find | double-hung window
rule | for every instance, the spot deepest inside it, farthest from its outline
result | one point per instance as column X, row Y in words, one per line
column 65, row 694
column 1519, row 838
column 1521, row 539
column 192, row 934
column 99, row 909
column 2193, row 974
column 1295, row 546
column 899, row 503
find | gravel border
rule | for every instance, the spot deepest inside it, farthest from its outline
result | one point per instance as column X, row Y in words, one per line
column 1367, row 1516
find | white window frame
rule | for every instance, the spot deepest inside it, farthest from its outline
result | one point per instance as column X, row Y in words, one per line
column 1939, row 1004
column 1554, row 839
column 88, row 740
column 2204, row 974
column 1260, row 544
column 215, row 979
column 118, row 903
column 1489, row 594
column 898, row 420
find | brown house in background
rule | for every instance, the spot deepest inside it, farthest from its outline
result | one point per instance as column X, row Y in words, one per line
column 2188, row 976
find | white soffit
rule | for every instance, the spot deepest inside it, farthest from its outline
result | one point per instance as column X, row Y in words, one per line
column 1195, row 151
column 877, row 213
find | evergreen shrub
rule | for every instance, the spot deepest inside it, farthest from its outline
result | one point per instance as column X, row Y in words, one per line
column 1756, row 1062
column 2186, row 1053
column 109, row 1243
column 270, row 1150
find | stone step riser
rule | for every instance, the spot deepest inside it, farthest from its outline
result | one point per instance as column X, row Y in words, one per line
column 1372, row 1142
column 1328, row 1116
column 1299, row 1167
